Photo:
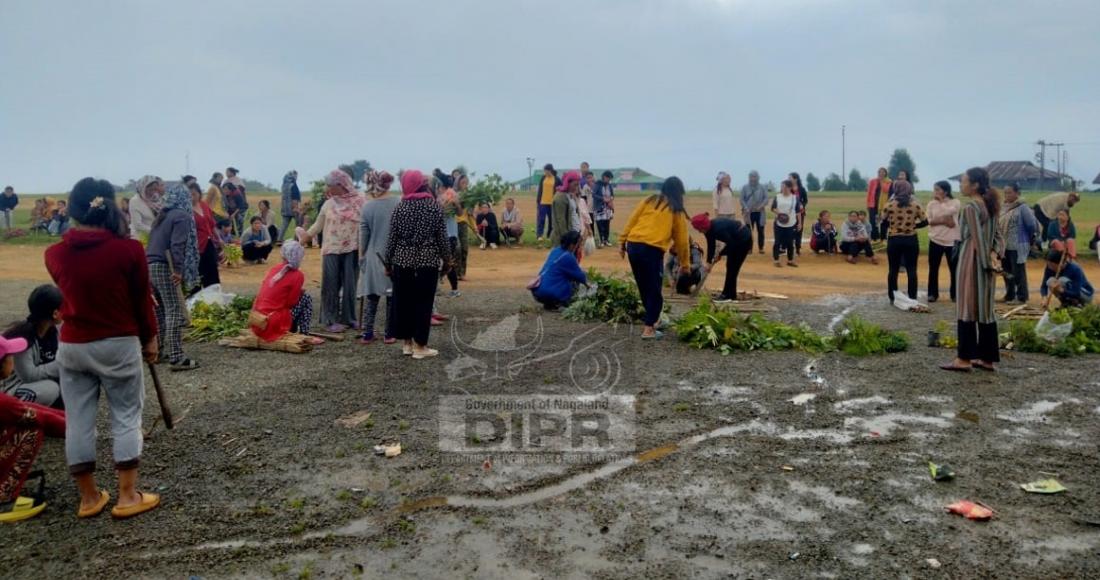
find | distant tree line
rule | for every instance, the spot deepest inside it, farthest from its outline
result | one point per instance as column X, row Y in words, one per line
column 899, row 161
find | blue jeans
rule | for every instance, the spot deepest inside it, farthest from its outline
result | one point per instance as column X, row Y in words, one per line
column 645, row 263
column 544, row 218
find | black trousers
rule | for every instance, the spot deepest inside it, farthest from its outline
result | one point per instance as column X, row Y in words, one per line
column 756, row 221
column 645, row 263
column 784, row 241
column 603, row 228
column 979, row 341
column 251, row 252
column 1015, row 276
column 854, row 248
column 872, row 216
column 273, row 231
column 735, row 257
column 413, row 295
column 1044, row 221
column 452, row 274
column 936, row 254
column 208, row 265
column 902, row 251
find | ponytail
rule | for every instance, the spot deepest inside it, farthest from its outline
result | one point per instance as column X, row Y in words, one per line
column 992, row 198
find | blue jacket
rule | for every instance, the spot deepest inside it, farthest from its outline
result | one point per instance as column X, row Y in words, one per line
column 1076, row 286
column 560, row 272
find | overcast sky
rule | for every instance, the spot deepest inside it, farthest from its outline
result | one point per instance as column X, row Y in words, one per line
column 117, row 89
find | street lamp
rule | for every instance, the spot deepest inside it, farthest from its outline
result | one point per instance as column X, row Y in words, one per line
column 530, row 172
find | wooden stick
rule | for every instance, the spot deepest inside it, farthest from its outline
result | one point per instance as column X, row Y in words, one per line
column 165, row 412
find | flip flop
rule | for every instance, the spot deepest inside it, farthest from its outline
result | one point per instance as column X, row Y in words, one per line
column 95, row 510
column 953, row 368
column 427, row 353
column 148, row 502
column 657, row 335
column 987, row 369
column 27, row 507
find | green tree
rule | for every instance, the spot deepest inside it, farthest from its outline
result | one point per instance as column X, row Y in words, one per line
column 901, row 160
column 834, row 182
column 856, row 181
column 357, row 170
column 812, row 182
column 488, row 189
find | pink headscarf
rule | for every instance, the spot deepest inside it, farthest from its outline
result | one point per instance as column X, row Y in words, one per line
column 414, row 185
column 347, row 200
column 567, row 181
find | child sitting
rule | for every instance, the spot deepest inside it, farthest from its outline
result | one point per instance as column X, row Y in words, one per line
column 824, row 234
column 685, row 283
column 855, row 238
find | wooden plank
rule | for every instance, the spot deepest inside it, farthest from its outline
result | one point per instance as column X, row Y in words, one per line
column 328, row 335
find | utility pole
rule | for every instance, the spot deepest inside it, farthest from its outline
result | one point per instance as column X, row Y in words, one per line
column 1058, row 160
column 1042, row 161
column 531, row 172
column 844, row 153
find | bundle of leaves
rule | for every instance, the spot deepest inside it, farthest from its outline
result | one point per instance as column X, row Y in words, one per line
column 489, row 189
column 615, row 300
column 710, row 326
column 858, row 337
column 233, row 255
column 1085, row 337
column 210, row 322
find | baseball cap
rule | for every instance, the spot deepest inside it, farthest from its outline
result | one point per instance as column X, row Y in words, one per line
column 12, row 346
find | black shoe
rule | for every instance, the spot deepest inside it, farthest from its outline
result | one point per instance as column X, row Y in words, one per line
column 721, row 298
column 932, row 299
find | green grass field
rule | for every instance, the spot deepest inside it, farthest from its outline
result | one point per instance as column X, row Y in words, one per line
column 1086, row 215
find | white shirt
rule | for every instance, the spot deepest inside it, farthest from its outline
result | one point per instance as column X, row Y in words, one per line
column 141, row 217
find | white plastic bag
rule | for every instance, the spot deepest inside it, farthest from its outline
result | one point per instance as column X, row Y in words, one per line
column 1048, row 330
column 589, row 246
column 212, row 295
column 903, row 302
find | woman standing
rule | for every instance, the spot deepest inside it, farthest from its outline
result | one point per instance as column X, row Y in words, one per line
column 338, row 223
column 787, row 223
column 902, row 248
column 109, row 327
column 205, row 227
column 462, row 215
column 877, row 191
column 416, row 247
column 374, row 231
column 656, row 224
column 737, row 238
column 803, row 201
column 724, row 206
column 214, row 197
column 448, row 201
column 145, row 206
column 943, row 234
column 173, row 252
column 977, row 257
column 1017, row 226
column 290, row 206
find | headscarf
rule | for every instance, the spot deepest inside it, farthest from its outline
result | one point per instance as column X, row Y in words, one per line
column 288, row 181
column 567, row 181
column 903, row 193
column 347, row 201
column 414, row 185
column 378, row 182
column 721, row 175
column 153, row 200
column 177, row 197
column 293, row 253
column 701, row 222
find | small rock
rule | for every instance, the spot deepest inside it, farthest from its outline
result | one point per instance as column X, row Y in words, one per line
column 268, row 432
column 793, row 556
column 933, row 562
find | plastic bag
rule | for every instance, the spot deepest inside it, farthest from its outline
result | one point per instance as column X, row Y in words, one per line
column 212, row 295
column 589, row 246
column 1051, row 331
column 903, row 302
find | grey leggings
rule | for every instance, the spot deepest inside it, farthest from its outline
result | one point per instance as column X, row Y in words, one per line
column 113, row 365
column 339, row 277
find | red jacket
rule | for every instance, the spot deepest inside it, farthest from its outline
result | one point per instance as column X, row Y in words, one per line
column 205, row 226
column 275, row 301
column 104, row 281
column 874, row 196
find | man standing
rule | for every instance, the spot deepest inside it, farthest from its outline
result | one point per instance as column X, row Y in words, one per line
column 754, row 205
column 544, row 198
column 603, row 197
column 1047, row 209
column 8, row 201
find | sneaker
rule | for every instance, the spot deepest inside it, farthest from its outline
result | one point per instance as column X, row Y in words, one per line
column 455, row 294
column 184, row 364
column 492, row 246
column 722, row 298
column 424, row 353
column 483, row 245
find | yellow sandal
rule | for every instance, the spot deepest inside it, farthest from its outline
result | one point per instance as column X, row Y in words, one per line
column 97, row 509
column 148, row 502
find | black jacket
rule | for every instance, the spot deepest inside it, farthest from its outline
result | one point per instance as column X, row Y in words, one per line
column 728, row 231
column 538, row 190
column 7, row 203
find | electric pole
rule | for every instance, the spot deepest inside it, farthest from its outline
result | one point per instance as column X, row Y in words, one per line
column 844, row 153
column 1042, row 161
column 531, row 172
column 1058, row 160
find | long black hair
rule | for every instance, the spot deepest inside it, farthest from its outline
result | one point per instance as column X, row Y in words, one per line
column 946, row 187
column 92, row 203
column 42, row 303
column 980, row 178
column 672, row 190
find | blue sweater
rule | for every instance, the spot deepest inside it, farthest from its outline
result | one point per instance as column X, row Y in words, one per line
column 559, row 273
column 1076, row 287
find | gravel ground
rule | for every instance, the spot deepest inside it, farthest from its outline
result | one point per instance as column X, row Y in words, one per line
column 803, row 466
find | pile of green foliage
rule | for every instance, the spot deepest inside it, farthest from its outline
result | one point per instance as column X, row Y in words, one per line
column 1085, row 337
column 858, row 337
column 489, row 189
column 615, row 300
column 725, row 330
column 210, row 322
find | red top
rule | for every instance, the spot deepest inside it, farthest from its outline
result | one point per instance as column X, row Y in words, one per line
column 275, row 301
column 875, row 189
column 104, row 280
column 204, row 226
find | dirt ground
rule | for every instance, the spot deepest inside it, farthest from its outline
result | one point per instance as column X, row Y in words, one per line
column 780, row 465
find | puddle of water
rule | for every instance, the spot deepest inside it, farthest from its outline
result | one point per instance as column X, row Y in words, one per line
column 837, row 437
column 934, row 399
column 844, row 406
column 1032, row 414
column 803, row 398
column 1057, row 548
column 884, row 424
column 824, row 495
